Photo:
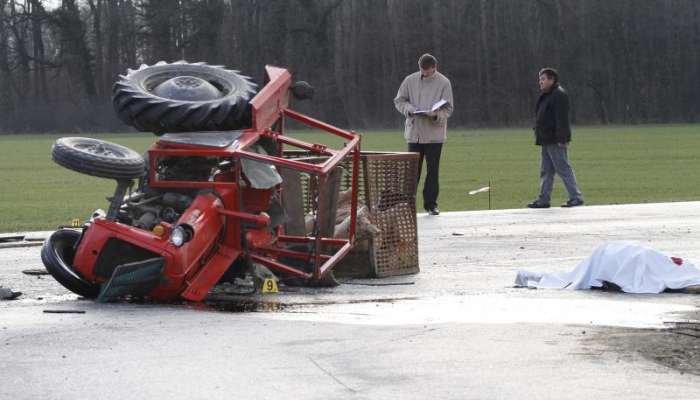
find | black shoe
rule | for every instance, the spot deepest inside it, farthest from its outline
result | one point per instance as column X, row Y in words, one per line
column 537, row 204
column 573, row 203
column 433, row 211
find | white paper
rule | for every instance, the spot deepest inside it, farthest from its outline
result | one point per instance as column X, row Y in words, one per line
column 434, row 108
column 481, row 190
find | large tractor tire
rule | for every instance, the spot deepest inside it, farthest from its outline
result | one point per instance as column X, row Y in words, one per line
column 98, row 158
column 183, row 97
column 57, row 255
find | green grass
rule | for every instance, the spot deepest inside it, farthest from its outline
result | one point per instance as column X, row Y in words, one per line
column 631, row 164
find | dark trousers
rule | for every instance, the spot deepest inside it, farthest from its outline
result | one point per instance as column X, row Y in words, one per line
column 431, row 187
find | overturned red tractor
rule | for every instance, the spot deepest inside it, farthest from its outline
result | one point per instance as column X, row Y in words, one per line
column 208, row 197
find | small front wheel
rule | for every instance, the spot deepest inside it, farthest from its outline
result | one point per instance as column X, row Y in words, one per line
column 98, row 158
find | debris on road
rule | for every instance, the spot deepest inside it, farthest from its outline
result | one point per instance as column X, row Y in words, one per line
column 64, row 312
column 13, row 238
column 13, row 242
column 8, row 294
column 35, row 271
column 379, row 284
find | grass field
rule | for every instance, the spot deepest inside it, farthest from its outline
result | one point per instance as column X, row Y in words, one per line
column 632, row 164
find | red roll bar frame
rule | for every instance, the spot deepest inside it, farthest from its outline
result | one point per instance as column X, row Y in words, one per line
column 270, row 108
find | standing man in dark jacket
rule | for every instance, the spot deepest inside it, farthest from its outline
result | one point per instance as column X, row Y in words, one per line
column 553, row 134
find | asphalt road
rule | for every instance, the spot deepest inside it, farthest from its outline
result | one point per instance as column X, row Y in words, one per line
column 460, row 331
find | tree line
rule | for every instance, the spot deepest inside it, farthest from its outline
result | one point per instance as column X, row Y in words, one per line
column 622, row 61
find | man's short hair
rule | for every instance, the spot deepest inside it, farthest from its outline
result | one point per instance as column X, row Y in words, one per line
column 427, row 61
column 550, row 73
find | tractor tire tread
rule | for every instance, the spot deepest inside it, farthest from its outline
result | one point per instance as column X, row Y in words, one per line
column 137, row 106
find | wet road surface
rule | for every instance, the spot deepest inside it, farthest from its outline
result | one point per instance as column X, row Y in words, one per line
column 456, row 330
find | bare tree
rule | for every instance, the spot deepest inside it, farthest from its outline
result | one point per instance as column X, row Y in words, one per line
column 627, row 61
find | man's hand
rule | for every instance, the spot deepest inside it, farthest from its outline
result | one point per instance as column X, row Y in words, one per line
column 563, row 145
column 410, row 112
column 431, row 114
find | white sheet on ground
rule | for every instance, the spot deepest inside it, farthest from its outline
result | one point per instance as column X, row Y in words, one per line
column 633, row 267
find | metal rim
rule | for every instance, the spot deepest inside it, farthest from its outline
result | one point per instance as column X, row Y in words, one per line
column 100, row 149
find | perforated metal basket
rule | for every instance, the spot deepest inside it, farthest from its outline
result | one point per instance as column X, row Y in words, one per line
column 387, row 186
column 390, row 193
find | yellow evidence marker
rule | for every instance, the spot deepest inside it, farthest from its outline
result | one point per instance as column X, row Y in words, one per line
column 269, row 286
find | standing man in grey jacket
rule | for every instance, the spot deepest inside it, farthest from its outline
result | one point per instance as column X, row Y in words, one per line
column 425, row 99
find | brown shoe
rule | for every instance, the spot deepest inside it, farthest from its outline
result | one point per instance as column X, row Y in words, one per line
column 694, row 289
